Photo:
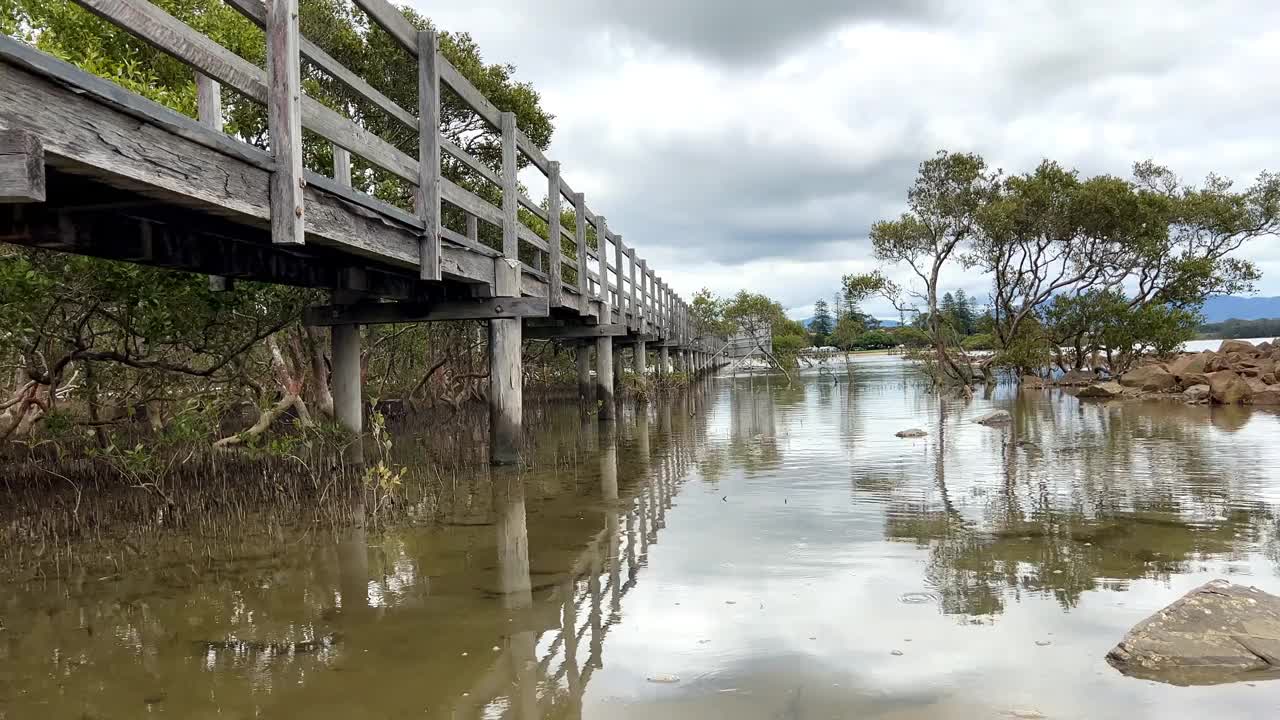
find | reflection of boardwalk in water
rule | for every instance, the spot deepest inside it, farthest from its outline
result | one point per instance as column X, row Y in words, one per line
column 544, row 672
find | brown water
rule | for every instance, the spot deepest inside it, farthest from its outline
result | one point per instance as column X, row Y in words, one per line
column 766, row 548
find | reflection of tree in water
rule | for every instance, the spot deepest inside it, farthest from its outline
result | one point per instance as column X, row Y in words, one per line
column 1089, row 496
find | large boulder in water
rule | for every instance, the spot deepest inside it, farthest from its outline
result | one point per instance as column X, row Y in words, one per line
column 1196, row 394
column 1228, row 388
column 1217, row 633
column 1152, row 378
column 994, row 417
column 1244, row 347
column 1107, row 389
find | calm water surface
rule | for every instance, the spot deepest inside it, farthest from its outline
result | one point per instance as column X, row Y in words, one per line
column 749, row 550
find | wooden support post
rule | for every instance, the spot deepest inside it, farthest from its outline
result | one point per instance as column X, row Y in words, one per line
column 555, row 286
column 641, row 359
column 427, row 198
column 506, row 372
column 348, row 406
column 510, row 190
column 284, row 122
column 583, row 356
column 580, row 240
column 604, row 376
column 664, row 361
column 617, row 367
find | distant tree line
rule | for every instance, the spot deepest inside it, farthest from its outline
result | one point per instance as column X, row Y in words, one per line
column 851, row 329
column 1236, row 328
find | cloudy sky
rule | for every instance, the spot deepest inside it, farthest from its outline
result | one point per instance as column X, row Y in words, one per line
column 750, row 143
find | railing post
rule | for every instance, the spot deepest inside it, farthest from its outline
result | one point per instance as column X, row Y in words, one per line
column 555, row 287
column 284, row 122
column 580, row 239
column 209, row 113
column 342, row 166
column 635, row 309
column 510, row 189
column 644, row 293
column 427, row 198
column 602, row 253
column 617, row 265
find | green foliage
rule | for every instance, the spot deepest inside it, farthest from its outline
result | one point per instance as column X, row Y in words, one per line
column 910, row 337
column 979, row 342
column 821, row 326
column 874, row 340
column 848, row 330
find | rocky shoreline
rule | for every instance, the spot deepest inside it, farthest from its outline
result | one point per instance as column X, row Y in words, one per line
column 1237, row 373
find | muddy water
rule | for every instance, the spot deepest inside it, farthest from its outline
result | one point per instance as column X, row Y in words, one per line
column 747, row 551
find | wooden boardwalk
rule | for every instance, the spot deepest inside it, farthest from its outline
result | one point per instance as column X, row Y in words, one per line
column 88, row 167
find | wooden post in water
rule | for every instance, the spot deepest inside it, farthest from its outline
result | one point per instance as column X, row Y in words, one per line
column 604, row 374
column 617, row 368
column 664, row 361
column 348, row 402
column 348, row 405
column 583, row 356
column 506, row 392
column 641, row 360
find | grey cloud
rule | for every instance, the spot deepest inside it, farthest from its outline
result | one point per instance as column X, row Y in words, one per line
column 742, row 31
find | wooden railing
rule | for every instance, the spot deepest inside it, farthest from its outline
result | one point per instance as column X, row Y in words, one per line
column 625, row 285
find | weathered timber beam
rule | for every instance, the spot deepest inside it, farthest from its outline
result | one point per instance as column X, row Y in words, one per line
column 552, row 332
column 21, row 167
column 186, row 242
column 507, row 308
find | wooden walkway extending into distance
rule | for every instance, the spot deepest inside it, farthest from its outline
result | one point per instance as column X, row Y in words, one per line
column 88, row 167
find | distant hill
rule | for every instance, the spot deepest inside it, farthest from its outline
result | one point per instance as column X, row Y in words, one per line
column 1220, row 309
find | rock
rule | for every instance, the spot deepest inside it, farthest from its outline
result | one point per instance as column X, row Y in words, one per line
column 1196, row 394
column 1264, row 347
column 1031, row 382
column 1077, row 377
column 1194, row 363
column 1228, row 388
column 897, row 653
column 1193, row 378
column 1216, row 363
column 995, row 417
column 1108, row 389
column 1217, row 633
column 663, row 678
column 1244, row 347
column 911, row 433
column 1267, row 395
column 1269, row 378
column 1152, row 378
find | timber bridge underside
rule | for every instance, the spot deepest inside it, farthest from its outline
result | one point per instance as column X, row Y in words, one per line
column 88, row 167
